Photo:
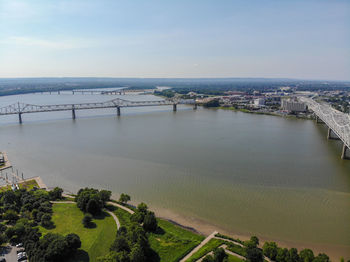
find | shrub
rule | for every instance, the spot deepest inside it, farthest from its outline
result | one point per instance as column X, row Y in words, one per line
column 87, row 220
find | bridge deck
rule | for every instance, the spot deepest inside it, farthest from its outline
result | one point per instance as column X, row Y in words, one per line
column 338, row 121
column 21, row 108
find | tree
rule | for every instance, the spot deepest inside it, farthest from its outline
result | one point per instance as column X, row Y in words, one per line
column 293, row 255
column 93, row 207
column 212, row 103
column 124, row 198
column 142, row 207
column 253, row 242
column 150, row 222
column 255, row 255
column 56, row 193
column 105, row 195
column 73, row 241
column 321, row 258
column 46, row 221
column 270, row 250
column 92, row 196
column 10, row 215
column 219, row 254
column 282, row 255
column 120, row 244
column 87, row 219
column 137, row 254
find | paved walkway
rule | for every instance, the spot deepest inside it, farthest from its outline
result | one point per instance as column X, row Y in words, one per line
column 212, row 235
column 229, row 240
column 109, row 212
column 121, row 206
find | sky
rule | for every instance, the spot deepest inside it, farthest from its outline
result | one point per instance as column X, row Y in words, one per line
column 302, row 39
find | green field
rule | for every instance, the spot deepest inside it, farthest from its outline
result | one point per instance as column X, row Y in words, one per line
column 234, row 259
column 95, row 241
column 172, row 242
column 210, row 246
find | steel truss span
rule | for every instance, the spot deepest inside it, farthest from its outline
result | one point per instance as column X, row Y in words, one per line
column 337, row 121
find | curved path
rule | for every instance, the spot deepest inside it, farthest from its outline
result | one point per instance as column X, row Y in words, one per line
column 212, row 235
column 109, row 212
column 121, row 206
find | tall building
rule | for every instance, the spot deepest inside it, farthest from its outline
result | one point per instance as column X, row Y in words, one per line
column 293, row 105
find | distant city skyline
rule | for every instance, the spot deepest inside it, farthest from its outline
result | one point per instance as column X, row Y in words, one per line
column 175, row 39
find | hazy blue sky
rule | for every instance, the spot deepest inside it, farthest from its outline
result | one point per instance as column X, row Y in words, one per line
column 218, row 38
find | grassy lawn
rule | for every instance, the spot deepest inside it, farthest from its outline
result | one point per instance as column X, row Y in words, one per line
column 234, row 259
column 210, row 246
column 29, row 185
column 172, row 242
column 95, row 241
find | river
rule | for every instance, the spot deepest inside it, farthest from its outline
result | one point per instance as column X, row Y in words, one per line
column 244, row 174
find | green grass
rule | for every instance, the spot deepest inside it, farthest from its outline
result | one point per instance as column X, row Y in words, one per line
column 237, row 249
column 123, row 216
column 172, row 242
column 210, row 246
column 95, row 241
column 231, row 258
column 29, row 185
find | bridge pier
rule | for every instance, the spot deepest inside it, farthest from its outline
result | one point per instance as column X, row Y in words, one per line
column 174, row 107
column 118, row 110
column 344, row 151
column 73, row 113
column 329, row 135
column 318, row 120
column 20, row 118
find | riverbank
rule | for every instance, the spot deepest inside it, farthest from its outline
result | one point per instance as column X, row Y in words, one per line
column 335, row 252
column 264, row 113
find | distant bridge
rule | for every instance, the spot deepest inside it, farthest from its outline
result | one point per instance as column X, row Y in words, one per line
column 21, row 108
column 101, row 92
column 337, row 122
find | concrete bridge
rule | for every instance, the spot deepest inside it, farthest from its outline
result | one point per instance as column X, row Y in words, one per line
column 338, row 122
column 21, row 108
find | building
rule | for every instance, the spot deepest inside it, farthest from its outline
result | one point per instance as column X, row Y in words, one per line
column 293, row 106
column 259, row 102
column 2, row 159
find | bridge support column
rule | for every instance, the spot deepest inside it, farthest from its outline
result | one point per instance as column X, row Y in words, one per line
column 73, row 113
column 344, row 151
column 329, row 135
column 118, row 110
column 195, row 106
column 20, row 118
column 174, row 107
column 318, row 120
